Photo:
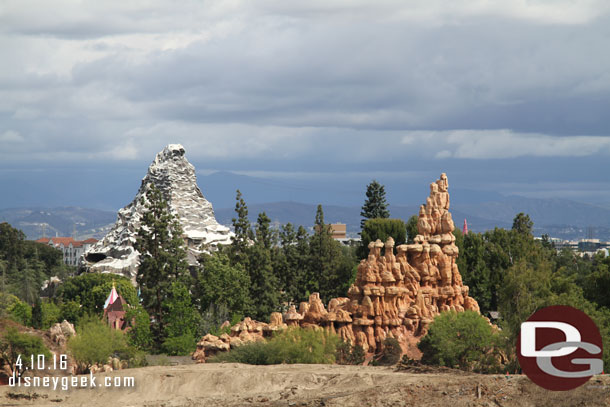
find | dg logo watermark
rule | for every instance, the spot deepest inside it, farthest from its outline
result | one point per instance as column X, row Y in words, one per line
column 560, row 348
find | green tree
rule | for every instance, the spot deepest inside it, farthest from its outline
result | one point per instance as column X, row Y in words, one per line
column 181, row 321
column 162, row 257
column 87, row 293
column 382, row 229
column 290, row 263
column 412, row 230
column 375, row 205
column 523, row 224
column 243, row 231
column 464, row 340
column 473, row 268
column 221, row 284
column 16, row 349
column 264, row 285
column 330, row 270
column 94, row 343
column 139, row 334
column 37, row 314
column 22, row 313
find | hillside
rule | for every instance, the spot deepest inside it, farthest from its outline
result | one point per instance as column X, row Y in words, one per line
column 60, row 221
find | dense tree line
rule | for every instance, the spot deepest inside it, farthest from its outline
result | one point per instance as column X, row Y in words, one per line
column 24, row 264
column 515, row 274
column 266, row 269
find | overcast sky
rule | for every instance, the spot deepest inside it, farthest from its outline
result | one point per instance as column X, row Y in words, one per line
column 508, row 96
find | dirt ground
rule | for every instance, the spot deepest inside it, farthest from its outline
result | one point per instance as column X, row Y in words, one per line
column 310, row 385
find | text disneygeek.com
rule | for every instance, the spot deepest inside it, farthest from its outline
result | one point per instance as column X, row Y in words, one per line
column 68, row 382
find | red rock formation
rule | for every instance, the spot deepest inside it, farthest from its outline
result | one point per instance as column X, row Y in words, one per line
column 396, row 294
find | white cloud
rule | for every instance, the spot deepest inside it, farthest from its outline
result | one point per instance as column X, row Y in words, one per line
column 11, row 136
column 503, row 144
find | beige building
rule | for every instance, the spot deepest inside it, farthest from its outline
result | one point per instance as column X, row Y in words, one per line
column 72, row 249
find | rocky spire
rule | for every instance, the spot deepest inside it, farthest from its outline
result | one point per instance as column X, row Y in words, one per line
column 396, row 294
column 174, row 176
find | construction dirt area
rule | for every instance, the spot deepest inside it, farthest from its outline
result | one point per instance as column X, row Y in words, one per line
column 308, row 385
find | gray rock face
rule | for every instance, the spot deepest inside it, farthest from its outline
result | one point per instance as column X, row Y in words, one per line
column 175, row 177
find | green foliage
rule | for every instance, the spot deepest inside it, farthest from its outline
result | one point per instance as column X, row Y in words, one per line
column 243, row 232
column 330, row 270
column 347, row 354
column 181, row 320
column 222, row 284
column 95, row 342
column 375, row 205
column 7, row 301
column 162, row 257
column 89, row 291
column 70, row 311
column 50, row 314
column 382, row 229
column 523, row 224
column 24, row 265
column 412, row 228
column 463, row 340
column 22, row 313
column 139, row 334
column 14, row 344
column 179, row 345
column 37, row 314
column 293, row 345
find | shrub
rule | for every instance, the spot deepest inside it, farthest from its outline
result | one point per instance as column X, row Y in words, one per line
column 463, row 340
column 293, row 345
column 14, row 344
column 139, row 334
column 22, row 313
column 349, row 355
column 7, row 301
column 50, row 314
column 179, row 345
column 95, row 342
column 391, row 352
column 70, row 311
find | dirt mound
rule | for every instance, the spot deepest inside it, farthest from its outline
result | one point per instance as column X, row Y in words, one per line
column 231, row 385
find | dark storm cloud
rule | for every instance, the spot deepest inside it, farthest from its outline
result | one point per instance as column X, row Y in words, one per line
column 283, row 87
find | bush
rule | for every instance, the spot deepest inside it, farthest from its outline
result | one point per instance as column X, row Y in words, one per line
column 181, row 345
column 391, row 352
column 70, row 311
column 7, row 301
column 95, row 342
column 139, row 334
column 14, row 344
column 22, row 313
column 463, row 340
column 91, row 290
column 50, row 314
column 292, row 345
column 349, row 355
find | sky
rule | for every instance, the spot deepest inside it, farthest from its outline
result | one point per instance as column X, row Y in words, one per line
column 509, row 97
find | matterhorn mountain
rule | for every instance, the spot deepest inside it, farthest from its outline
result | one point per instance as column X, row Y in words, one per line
column 175, row 177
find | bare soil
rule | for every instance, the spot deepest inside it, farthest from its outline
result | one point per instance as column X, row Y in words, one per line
column 311, row 385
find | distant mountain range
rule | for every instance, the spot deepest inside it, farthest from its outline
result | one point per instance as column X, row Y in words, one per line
column 295, row 201
column 80, row 223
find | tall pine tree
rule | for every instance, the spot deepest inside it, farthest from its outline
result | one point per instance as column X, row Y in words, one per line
column 375, row 205
column 330, row 270
column 243, row 232
column 162, row 257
